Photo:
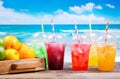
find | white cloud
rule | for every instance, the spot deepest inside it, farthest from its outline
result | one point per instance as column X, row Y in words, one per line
column 63, row 17
column 10, row 16
column 84, row 8
column 98, row 7
column 110, row 6
column 59, row 11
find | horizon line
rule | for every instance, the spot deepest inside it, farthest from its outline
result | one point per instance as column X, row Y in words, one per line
column 61, row 24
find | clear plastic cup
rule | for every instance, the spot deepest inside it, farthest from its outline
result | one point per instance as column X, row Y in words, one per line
column 38, row 44
column 80, row 47
column 55, row 47
column 93, row 53
column 106, row 52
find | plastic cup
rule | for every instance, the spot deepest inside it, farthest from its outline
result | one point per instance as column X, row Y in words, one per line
column 93, row 56
column 106, row 52
column 93, row 53
column 38, row 44
column 55, row 51
column 80, row 52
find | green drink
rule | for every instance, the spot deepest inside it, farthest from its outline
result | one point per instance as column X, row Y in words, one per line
column 40, row 51
column 38, row 45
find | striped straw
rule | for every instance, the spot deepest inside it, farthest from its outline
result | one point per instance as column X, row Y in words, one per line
column 107, row 23
column 76, row 31
column 75, row 27
column 52, row 26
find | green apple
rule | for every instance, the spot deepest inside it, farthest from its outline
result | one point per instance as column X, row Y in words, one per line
column 2, row 42
column 2, row 53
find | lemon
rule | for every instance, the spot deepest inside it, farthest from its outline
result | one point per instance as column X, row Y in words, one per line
column 12, row 54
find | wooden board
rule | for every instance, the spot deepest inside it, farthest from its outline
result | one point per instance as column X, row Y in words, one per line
column 23, row 65
column 67, row 73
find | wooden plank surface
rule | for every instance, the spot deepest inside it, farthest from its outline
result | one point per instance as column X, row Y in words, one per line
column 67, row 73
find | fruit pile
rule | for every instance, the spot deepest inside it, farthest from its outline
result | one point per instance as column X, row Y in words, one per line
column 12, row 49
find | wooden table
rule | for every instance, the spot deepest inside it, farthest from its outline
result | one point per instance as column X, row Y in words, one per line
column 67, row 73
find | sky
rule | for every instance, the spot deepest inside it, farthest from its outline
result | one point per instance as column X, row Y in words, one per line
column 60, row 11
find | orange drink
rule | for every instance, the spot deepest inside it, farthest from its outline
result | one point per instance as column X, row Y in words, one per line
column 106, row 56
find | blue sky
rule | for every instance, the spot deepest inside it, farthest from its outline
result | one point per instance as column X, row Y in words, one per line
column 61, row 11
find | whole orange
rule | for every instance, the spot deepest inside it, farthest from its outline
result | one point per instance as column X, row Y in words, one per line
column 12, row 42
column 26, row 52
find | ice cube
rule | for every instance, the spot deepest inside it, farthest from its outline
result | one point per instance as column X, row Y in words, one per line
column 79, row 50
column 75, row 53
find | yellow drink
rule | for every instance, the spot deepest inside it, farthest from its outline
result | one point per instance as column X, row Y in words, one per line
column 106, row 57
column 93, row 56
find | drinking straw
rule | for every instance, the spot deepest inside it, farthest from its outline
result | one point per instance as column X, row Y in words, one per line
column 42, row 26
column 75, row 27
column 90, row 27
column 52, row 26
column 76, row 31
column 53, row 33
column 107, row 23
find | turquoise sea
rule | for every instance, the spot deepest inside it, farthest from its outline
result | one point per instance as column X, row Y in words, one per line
column 25, row 33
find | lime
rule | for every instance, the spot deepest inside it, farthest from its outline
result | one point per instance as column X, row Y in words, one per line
column 2, row 53
column 2, row 42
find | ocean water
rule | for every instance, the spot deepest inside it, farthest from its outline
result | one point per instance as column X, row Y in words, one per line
column 25, row 33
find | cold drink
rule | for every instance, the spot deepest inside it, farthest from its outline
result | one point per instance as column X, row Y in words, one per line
column 106, row 56
column 80, row 56
column 93, row 56
column 38, row 44
column 40, row 51
column 55, row 54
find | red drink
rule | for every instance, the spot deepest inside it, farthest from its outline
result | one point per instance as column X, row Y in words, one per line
column 55, row 54
column 80, row 56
